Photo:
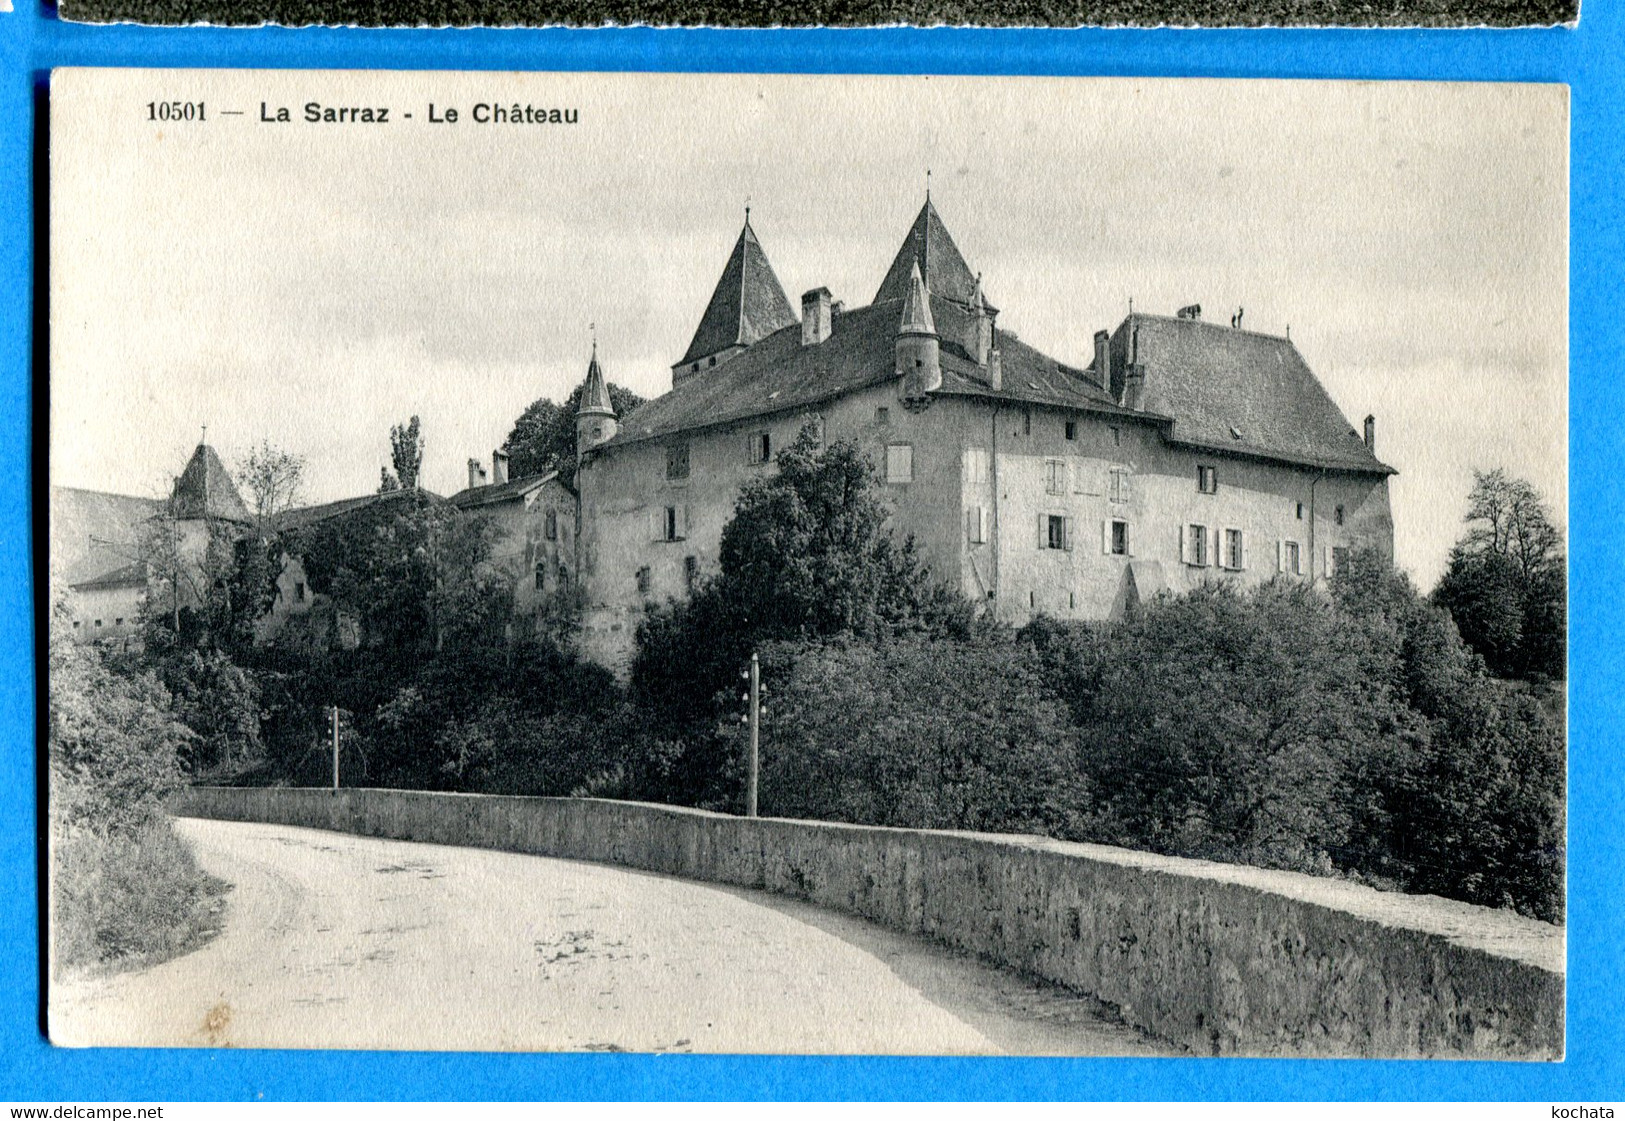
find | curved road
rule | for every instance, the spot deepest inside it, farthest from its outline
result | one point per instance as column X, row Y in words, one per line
column 332, row 940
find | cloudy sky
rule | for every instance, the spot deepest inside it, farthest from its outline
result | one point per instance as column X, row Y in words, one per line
column 311, row 284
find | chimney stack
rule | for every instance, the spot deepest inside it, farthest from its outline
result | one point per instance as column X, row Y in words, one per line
column 995, row 369
column 815, row 317
column 499, row 467
column 1371, row 434
column 476, row 474
column 1103, row 359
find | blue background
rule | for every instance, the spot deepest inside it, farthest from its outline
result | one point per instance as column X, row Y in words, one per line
column 1591, row 59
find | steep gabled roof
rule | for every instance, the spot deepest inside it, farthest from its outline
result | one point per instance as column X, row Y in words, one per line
column 748, row 304
column 779, row 374
column 929, row 248
column 1243, row 392
column 494, row 494
column 205, row 490
column 94, row 533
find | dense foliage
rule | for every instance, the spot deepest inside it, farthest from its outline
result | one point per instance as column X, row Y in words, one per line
column 123, row 886
column 1506, row 585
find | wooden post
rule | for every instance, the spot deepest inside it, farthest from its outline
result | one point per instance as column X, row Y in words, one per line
column 335, row 747
column 755, row 735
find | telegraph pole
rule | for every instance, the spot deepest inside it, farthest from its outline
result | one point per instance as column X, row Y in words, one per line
column 755, row 735
column 335, row 747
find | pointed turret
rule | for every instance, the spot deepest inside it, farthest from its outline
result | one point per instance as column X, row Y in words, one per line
column 919, row 357
column 748, row 305
column 931, row 251
column 595, row 416
column 205, row 490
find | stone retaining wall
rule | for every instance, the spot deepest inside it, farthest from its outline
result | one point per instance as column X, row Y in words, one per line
column 1221, row 959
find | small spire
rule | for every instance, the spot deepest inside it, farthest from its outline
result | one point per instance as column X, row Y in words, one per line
column 928, row 184
column 204, row 439
column 917, row 307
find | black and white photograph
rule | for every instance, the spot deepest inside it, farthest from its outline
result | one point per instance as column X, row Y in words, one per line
column 807, row 564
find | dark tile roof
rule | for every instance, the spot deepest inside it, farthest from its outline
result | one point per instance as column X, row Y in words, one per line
column 1243, row 392
column 495, row 493
column 123, row 577
column 303, row 516
column 94, row 533
column 779, row 374
column 205, row 490
column 748, row 304
column 929, row 247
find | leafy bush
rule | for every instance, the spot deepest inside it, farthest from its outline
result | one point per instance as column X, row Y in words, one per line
column 926, row 732
column 124, row 888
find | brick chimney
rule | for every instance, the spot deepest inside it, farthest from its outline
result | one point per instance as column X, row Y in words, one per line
column 476, row 474
column 815, row 317
column 1371, row 434
column 499, row 467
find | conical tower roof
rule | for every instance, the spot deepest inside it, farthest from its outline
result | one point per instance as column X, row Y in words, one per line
column 930, row 249
column 748, row 304
column 205, row 490
column 917, row 308
column 595, row 393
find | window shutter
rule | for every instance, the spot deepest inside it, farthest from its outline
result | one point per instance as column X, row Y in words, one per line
column 1043, row 531
column 1217, row 554
column 1066, row 534
column 685, row 521
column 1280, row 556
column 983, row 524
column 1125, row 491
column 1184, row 545
column 1128, row 538
column 1106, row 537
column 1241, row 549
column 657, row 527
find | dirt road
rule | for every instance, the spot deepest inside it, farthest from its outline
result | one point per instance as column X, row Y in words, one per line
column 332, row 940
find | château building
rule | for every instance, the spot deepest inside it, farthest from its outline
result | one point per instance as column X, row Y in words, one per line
column 1182, row 450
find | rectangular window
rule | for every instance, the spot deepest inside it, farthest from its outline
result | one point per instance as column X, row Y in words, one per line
column 1234, row 556
column 691, row 571
column 1117, row 538
column 975, row 465
column 1055, row 476
column 882, row 416
column 899, row 463
column 1071, row 430
column 1054, row 531
column 643, row 581
column 761, row 447
column 1207, row 480
column 552, row 525
column 1291, row 558
column 676, row 461
column 299, row 591
column 1117, row 437
column 541, row 575
column 1337, row 515
column 98, row 622
column 1193, row 545
column 1118, row 488
column 976, row 525
column 1300, row 511
column 119, row 622
column 675, row 526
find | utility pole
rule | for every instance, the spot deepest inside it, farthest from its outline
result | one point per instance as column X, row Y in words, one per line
column 335, row 747
column 755, row 735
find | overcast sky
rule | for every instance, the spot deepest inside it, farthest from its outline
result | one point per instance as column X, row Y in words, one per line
column 311, row 284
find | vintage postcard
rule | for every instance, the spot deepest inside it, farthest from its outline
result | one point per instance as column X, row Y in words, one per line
column 883, row 565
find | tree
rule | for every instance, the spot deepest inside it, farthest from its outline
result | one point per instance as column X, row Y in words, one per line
column 544, row 437
column 273, row 477
column 1506, row 582
column 406, row 453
